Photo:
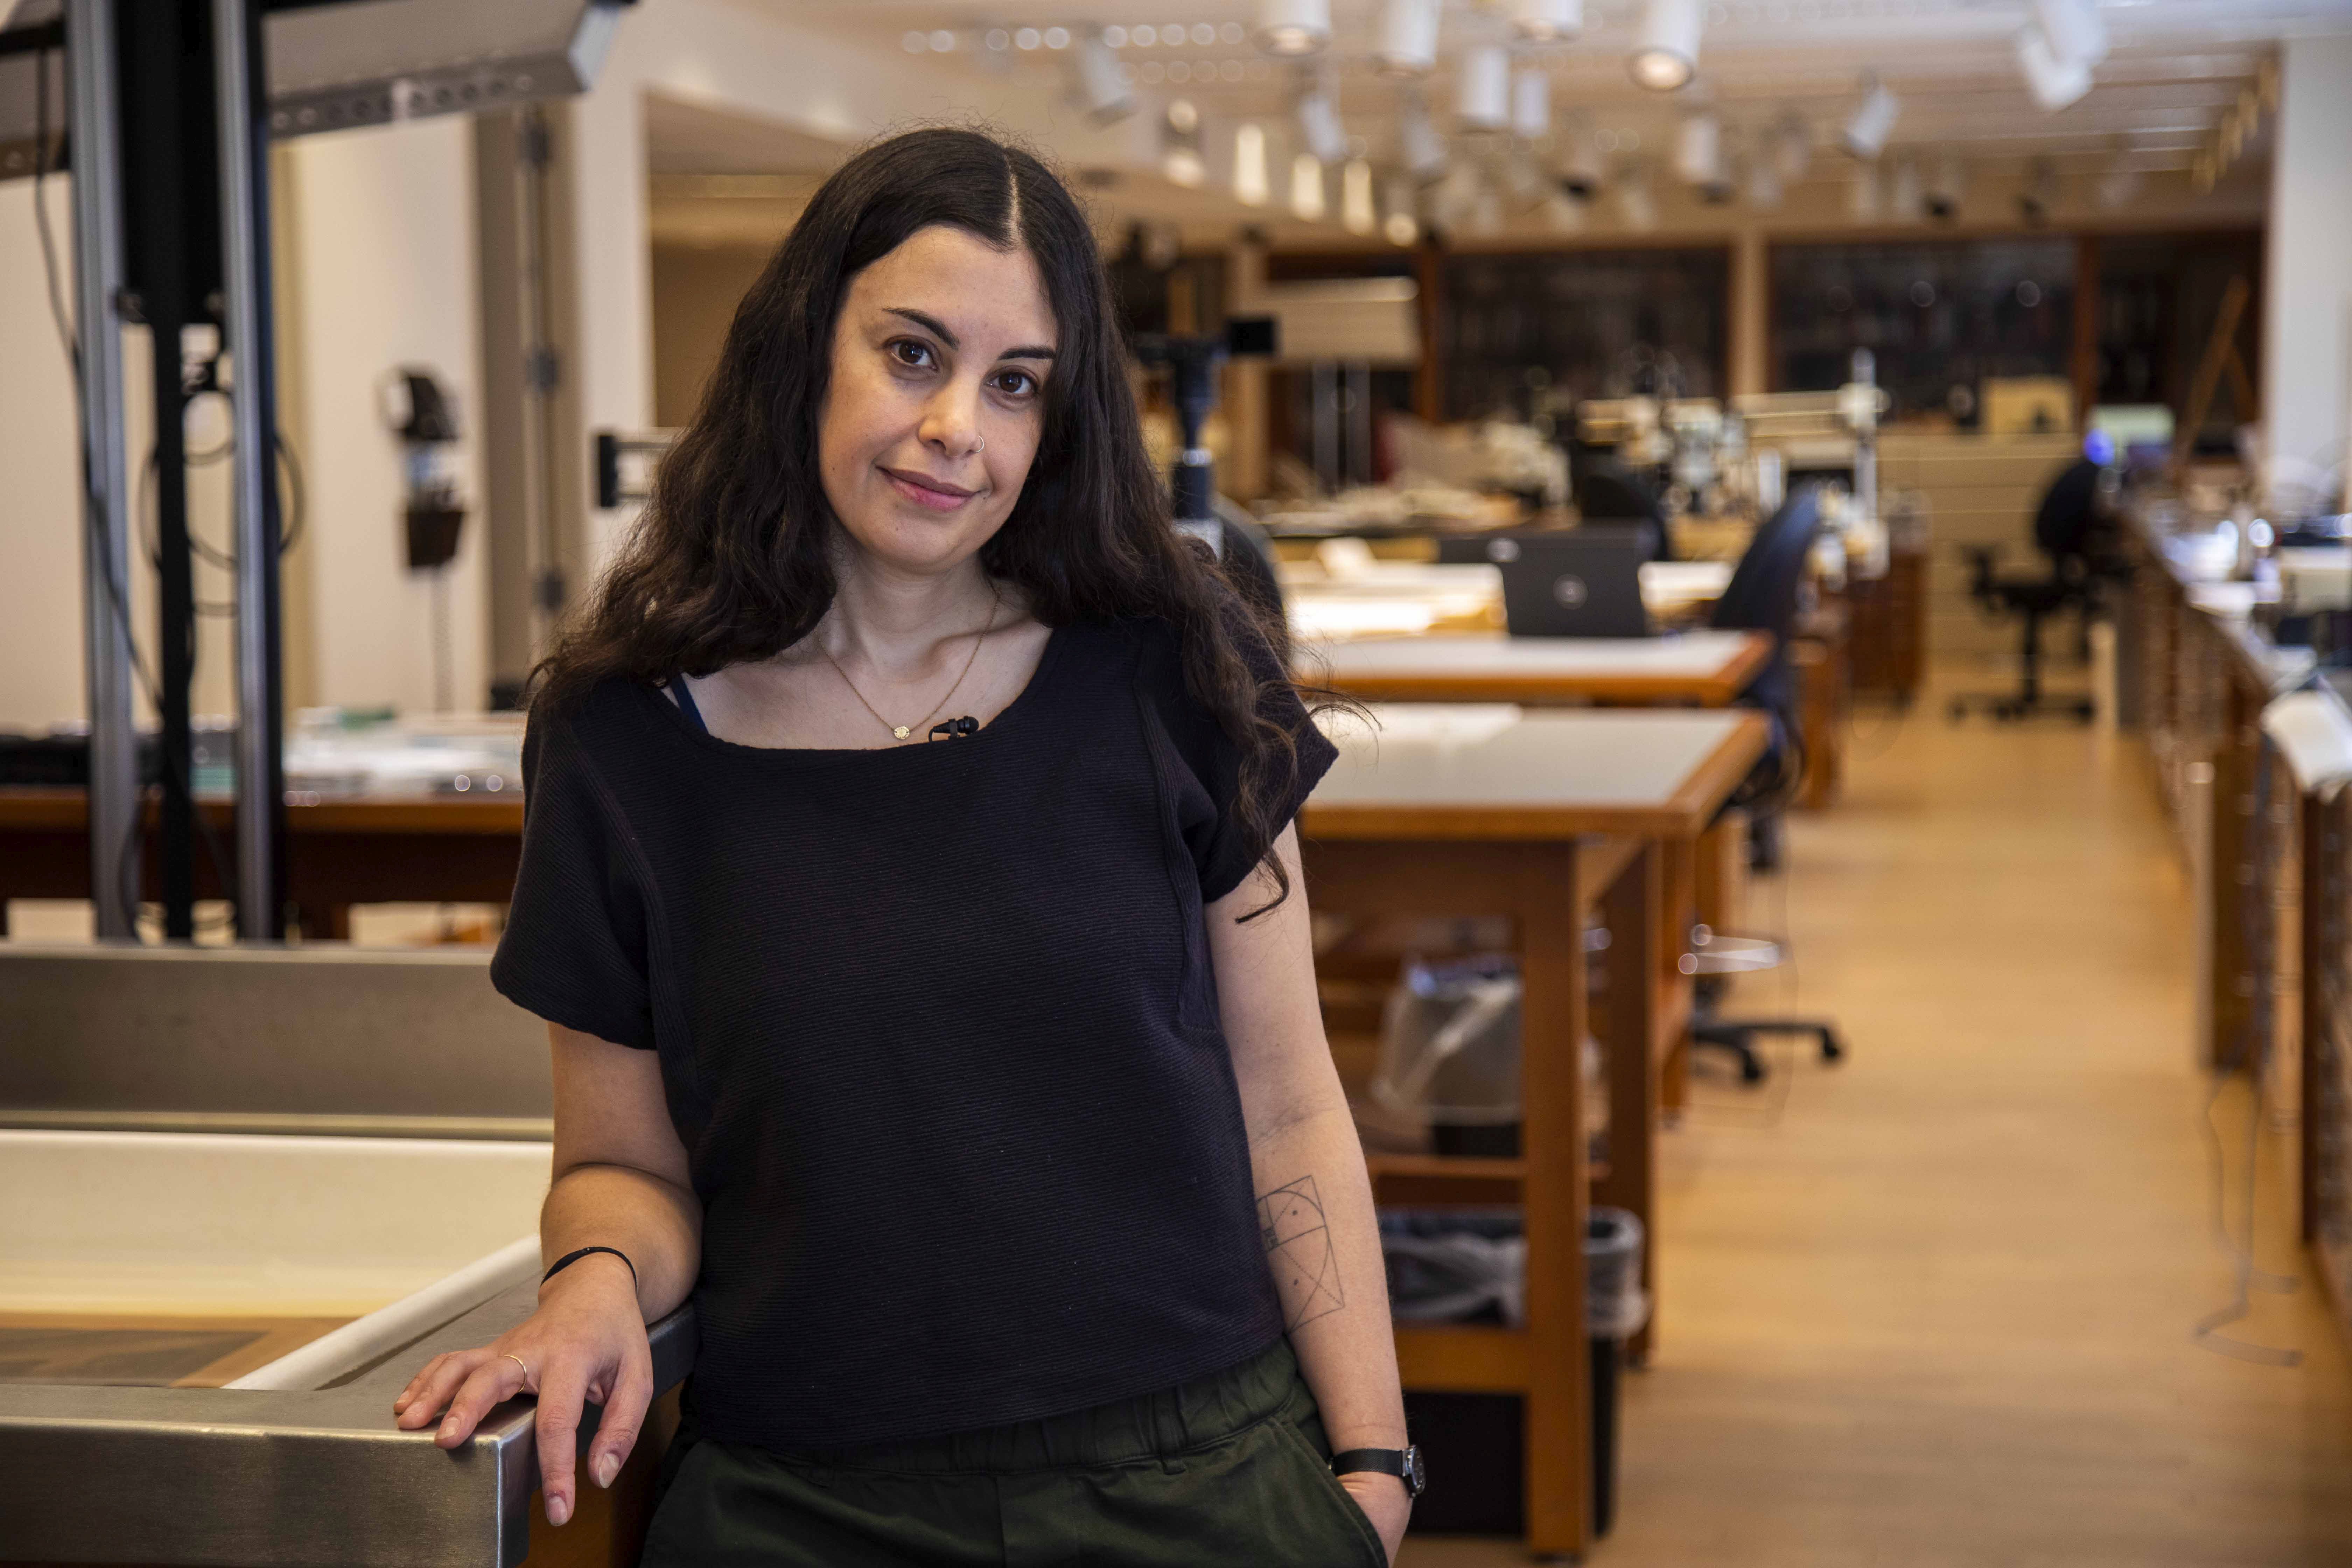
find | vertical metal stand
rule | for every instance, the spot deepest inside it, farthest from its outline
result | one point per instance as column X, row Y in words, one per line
column 542, row 372
column 243, row 116
column 114, row 803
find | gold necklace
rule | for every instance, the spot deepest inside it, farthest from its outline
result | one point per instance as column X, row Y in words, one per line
column 903, row 731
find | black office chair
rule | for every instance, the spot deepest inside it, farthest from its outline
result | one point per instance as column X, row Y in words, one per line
column 1608, row 491
column 1762, row 596
column 2066, row 529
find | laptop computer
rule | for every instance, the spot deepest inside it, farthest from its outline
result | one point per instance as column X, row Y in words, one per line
column 1583, row 583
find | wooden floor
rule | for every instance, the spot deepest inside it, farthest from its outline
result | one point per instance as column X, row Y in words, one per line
column 1933, row 1308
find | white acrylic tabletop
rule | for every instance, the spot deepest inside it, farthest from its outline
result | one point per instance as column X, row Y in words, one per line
column 1488, row 755
column 1696, row 655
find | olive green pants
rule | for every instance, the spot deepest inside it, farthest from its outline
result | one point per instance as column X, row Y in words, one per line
column 1231, row 1470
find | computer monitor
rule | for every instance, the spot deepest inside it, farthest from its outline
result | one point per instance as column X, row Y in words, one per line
column 1584, row 583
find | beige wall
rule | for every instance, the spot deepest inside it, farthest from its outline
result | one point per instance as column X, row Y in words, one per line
column 376, row 244
column 40, row 549
column 695, row 291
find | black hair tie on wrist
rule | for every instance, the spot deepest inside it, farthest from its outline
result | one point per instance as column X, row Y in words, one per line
column 569, row 1259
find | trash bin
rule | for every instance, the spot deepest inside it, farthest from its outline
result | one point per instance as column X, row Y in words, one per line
column 1470, row 1265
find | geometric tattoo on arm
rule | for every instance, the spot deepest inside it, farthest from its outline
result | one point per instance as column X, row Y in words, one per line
column 1298, row 1249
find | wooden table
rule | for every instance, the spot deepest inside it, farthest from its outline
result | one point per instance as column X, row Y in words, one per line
column 1702, row 669
column 1543, row 817
column 439, row 849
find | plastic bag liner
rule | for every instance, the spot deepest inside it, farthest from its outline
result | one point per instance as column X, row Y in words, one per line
column 1457, row 1266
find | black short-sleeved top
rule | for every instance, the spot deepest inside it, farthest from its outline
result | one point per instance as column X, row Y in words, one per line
column 938, row 1028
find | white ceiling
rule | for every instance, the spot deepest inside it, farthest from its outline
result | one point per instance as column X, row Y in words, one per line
column 2177, row 65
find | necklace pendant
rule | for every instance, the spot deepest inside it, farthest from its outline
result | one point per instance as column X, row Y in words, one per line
column 898, row 731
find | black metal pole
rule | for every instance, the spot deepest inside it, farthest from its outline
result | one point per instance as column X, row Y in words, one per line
column 171, row 264
column 244, row 117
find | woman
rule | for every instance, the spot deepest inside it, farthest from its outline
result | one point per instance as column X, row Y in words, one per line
column 910, row 886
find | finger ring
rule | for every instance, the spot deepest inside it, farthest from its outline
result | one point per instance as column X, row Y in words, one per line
column 526, row 1371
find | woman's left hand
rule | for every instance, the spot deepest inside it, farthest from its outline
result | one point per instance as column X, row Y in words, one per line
column 1382, row 1497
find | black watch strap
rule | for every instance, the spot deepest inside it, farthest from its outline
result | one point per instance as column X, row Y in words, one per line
column 1402, row 1463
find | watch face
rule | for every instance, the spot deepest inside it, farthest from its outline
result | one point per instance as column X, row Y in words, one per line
column 1414, row 1478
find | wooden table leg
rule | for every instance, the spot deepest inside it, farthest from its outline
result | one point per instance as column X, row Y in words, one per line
column 1548, row 907
column 1632, row 1041
column 1677, row 910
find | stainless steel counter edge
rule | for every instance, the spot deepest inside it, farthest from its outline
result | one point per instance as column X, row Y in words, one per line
column 268, row 1479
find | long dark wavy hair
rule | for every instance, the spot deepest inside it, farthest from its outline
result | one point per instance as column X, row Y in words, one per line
column 732, row 560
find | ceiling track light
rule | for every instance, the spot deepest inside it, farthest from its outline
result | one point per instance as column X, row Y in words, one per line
column 1698, row 149
column 1419, row 146
column 1250, row 187
column 1581, row 172
column 2074, row 29
column 1293, row 27
column 1665, row 52
column 1356, row 211
column 1531, row 102
column 2054, row 82
column 1546, row 21
column 1097, row 84
column 1871, row 122
column 1482, row 89
column 1634, row 200
column 1407, row 46
column 1402, row 224
column 1946, row 188
column 1307, row 188
column 1319, row 127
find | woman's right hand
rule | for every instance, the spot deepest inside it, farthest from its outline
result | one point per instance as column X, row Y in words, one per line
column 586, row 1342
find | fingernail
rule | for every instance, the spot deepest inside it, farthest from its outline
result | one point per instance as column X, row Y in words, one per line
column 607, row 1467
column 559, row 1509
column 450, row 1427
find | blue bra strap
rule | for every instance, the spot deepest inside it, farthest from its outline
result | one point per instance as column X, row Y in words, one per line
column 686, row 703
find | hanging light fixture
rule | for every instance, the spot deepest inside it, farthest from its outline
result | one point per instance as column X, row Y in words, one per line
column 1946, row 188
column 2074, row 29
column 1764, row 181
column 1635, row 199
column 1420, row 148
column 1698, row 149
column 1666, row 53
column 1250, row 187
column 1319, row 122
column 1581, row 171
column 1180, row 144
column 1872, row 122
column 1531, row 102
column 1097, row 84
column 2054, row 82
column 1307, row 188
column 1356, row 213
column 1293, row 26
column 1401, row 226
column 1546, row 21
column 1482, row 89
column 1407, row 46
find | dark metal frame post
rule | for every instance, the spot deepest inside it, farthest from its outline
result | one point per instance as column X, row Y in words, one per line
column 114, row 802
column 243, row 119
